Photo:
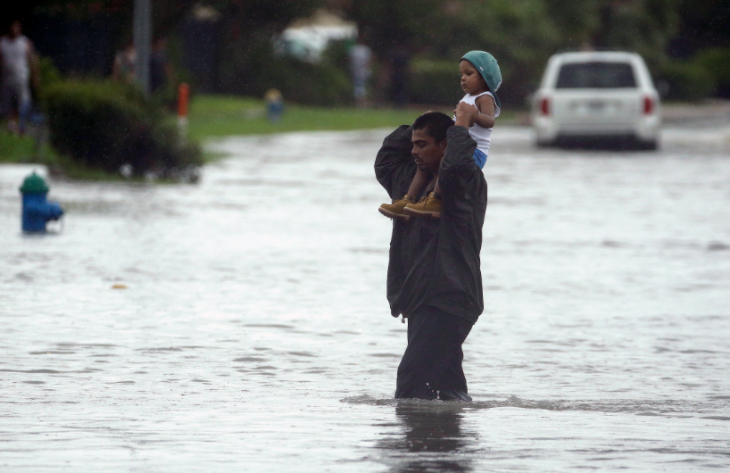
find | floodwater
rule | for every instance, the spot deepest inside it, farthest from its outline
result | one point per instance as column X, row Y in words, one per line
column 241, row 324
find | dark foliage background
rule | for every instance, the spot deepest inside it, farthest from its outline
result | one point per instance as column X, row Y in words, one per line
column 685, row 42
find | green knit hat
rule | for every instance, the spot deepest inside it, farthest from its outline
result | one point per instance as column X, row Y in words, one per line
column 34, row 184
column 488, row 68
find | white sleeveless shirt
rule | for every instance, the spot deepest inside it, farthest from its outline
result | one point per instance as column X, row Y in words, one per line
column 15, row 68
column 483, row 136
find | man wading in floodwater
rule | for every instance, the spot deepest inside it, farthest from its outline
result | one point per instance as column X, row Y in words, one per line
column 434, row 276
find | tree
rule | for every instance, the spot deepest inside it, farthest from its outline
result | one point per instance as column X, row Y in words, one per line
column 519, row 33
column 703, row 24
column 247, row 28
column 644, row 26
column 244, row 28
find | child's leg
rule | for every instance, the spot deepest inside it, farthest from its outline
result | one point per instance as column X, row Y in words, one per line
column 418, row 183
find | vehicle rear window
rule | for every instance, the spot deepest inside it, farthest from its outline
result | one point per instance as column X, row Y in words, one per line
column 596, row 75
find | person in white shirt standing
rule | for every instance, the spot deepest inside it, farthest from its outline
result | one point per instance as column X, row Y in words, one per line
column 18, row 63
column 360, row 70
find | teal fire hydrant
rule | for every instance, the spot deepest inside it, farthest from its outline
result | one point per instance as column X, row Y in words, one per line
column 37, row 211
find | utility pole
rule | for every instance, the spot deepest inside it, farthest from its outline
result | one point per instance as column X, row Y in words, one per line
column 142, row 36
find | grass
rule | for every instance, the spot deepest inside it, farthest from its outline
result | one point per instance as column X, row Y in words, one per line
column 217, row 116
column 15, row 149
column 22, row 149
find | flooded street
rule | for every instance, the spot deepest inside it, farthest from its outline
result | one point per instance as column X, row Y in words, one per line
column 241, row 324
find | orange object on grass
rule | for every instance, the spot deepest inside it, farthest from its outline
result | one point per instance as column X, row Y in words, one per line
column 183, row 94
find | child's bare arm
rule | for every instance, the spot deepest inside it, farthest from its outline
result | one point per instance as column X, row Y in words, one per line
column 485, row 117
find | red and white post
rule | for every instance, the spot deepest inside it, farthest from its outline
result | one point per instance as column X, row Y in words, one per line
column 183, row 96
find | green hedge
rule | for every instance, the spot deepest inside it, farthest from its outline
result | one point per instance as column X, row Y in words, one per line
column 49, row 76
column 299, row 81
column 434, row 82
column 105, row 125
column 305, row 83
column 717, row 62
column 687, row 81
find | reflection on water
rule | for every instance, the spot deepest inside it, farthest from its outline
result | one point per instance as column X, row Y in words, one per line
column 432, row 439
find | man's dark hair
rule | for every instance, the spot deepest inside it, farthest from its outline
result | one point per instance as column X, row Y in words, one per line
column 435, row 124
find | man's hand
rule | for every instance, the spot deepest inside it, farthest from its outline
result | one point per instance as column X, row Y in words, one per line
column 465, row 114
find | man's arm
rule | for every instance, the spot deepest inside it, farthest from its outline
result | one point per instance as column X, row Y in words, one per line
column 394, row 165
column 463, row 188
column 458, row 167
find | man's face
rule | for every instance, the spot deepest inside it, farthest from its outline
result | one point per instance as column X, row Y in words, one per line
column 426, row 152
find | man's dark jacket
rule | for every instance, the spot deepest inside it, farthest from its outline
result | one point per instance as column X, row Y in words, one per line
column 434, row 263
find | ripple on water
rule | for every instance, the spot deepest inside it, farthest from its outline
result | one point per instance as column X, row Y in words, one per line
column 718, row 246
column 37, row 371
column 52, row 352
column 277, row 326
column 249, row 359
column 649, row 408
column 173, row 349
column 301, row 353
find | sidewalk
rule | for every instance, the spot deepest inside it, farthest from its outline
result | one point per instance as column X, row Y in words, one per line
column 712, row 111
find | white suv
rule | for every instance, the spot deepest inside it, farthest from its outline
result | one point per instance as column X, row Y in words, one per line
column 594, row 97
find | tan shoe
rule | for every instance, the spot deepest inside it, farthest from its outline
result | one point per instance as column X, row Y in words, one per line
column 395, row 210
column 429, row 206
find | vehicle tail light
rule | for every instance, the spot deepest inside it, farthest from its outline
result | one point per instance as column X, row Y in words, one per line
column 648, row 105
column 545, row 106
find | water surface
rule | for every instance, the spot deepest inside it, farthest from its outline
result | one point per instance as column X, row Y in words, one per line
column 241, row 323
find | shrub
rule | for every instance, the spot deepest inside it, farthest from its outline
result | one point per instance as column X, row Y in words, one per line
column 687, row 81
column 434, row 82
column 717, row 62
column 49, row 75
column 299, row 81
column 337, row 54
column 306, row 83
column 105, row 125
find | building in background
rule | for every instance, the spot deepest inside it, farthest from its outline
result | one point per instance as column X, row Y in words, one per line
column 307, row 38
